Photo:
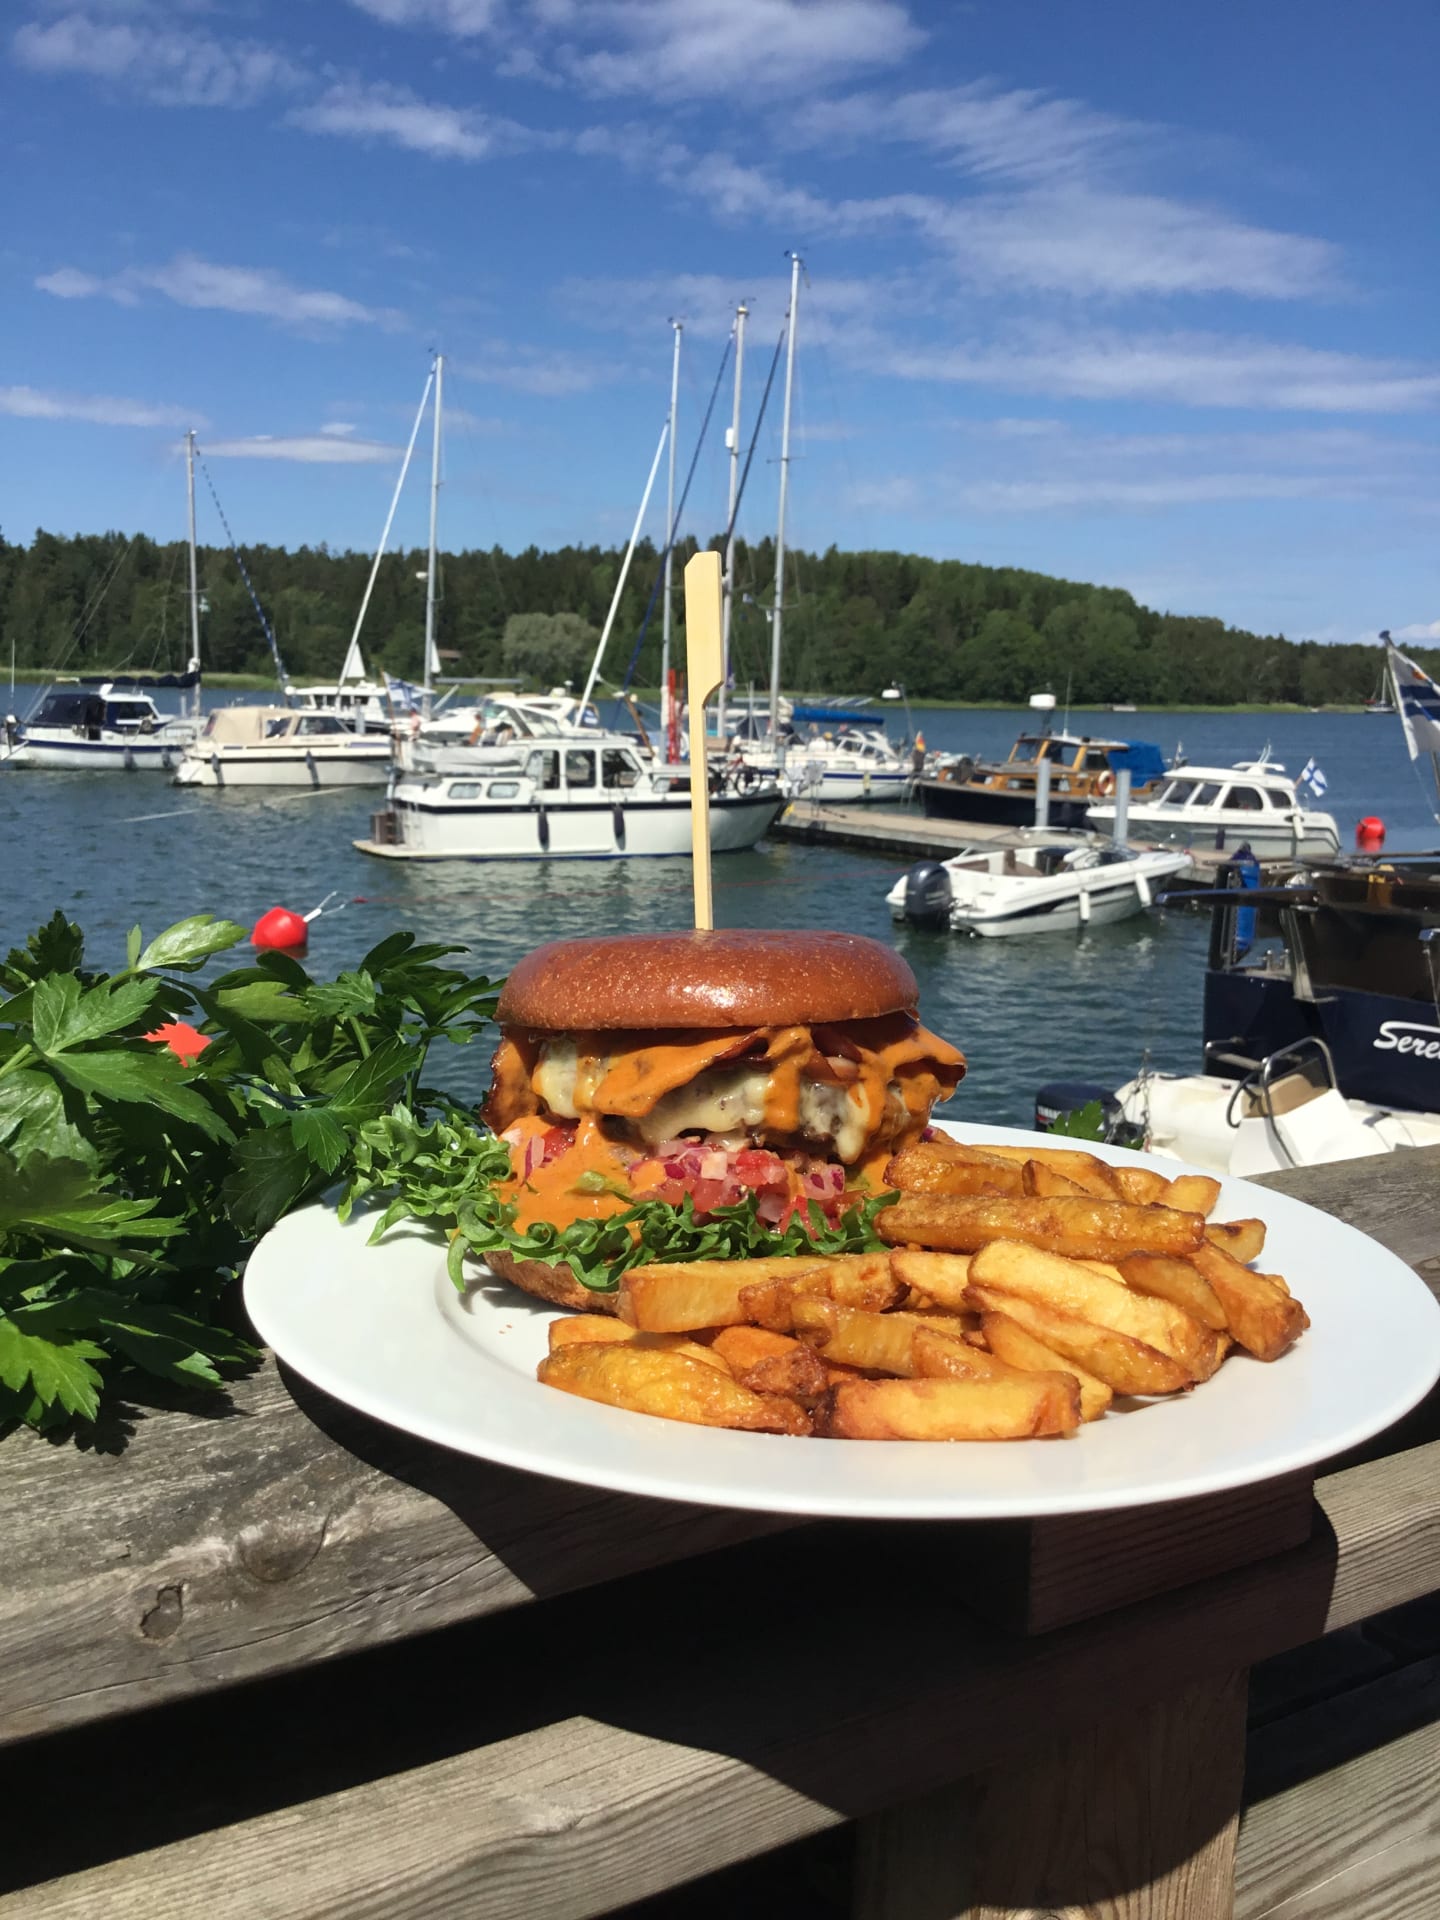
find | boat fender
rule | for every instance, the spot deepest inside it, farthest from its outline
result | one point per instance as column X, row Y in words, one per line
column 617, row 814
column 927, row 895
column 1105, row 785
column 543, row 821
column 1084, row 905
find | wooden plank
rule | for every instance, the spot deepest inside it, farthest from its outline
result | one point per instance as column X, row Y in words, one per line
column 1392, row 1199
column 1357, row 1835
column 285, row 1530
column 1133, row 1818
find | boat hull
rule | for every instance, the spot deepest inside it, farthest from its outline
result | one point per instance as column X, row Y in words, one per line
column 1106, row 905
column 955, row 800
column 359, row 765
column 856, row 788
column 96, row 756
column 1268, row 840
column 646, row 829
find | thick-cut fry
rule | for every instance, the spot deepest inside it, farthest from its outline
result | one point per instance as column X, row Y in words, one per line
column 1122, row 1362
column 650, row 1380
column 1261, row 1315
column 768, row 1362
column 1070, row 1287
column 878, row 1342
column 1046, row 1182
column 927, row 1168
column 591, row 1329
column 1085, row 1169
column 1101, row 1229
column 1140, row 1184
column 1245, row 1239
column 1010, row 1342
column 942, row 1277
column 940, row 1356
column 1192, row 1193
column 1020, row 1407
column 962, row 1150
column 679, row 1296
column 1167, row 1278
column 871, row 1288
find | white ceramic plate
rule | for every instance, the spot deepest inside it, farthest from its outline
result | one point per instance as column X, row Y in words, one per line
column 383, row 1329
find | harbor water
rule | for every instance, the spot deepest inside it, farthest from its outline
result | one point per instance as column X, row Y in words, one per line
column 110, row 850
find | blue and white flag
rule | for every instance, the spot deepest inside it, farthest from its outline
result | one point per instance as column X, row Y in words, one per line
column 1418, row 699
column 401, row 693
column 1312, row 777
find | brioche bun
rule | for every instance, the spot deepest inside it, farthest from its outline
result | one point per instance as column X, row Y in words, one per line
column 555, row 1284
column 737, row 977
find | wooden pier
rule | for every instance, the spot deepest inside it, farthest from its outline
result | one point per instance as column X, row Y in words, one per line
column 908, row 836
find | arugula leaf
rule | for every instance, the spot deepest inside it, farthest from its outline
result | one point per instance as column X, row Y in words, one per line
column 65, row 1014
column 190, row 941
column 56, row 1370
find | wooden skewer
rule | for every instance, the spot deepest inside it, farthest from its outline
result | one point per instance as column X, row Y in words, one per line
column 703, row 675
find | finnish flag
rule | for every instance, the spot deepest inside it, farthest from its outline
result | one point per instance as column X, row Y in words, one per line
column 1312, row 777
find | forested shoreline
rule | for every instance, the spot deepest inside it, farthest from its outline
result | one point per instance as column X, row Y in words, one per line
column 853, row 622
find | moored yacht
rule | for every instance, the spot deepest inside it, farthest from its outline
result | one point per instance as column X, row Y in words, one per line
column 1083, row 769
column 592, row 799
column 110, row 727
column 282, row 747
column 851, row 759
column 1224, row 806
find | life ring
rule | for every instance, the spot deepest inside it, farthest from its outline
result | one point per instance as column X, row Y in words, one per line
column 1105, row 785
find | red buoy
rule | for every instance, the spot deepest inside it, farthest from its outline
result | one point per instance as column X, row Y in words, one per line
column 1370, row 833
column 280, row 930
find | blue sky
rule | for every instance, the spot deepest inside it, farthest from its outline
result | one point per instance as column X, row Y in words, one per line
column 1132, row 293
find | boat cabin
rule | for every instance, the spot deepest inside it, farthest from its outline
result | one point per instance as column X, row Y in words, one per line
column 1202, row 789
column 91, row 714
column 1078, row 763
column 271, row 726
column 575, row 772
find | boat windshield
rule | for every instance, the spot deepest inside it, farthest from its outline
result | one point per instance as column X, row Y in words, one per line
column 1177, row 794
column 70, row 710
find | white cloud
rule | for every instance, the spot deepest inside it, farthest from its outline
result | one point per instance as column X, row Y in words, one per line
column 339, row 427
column 551, row 372
column 98, row 409
column 1422, row 631
column 402, row 118
column 192, row 282
column 1014, row 133
column 170, row 65
column 1190, row 369
column 309, row 449
column 462, row 18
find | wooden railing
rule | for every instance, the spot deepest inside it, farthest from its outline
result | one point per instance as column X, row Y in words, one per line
column 283, row 1661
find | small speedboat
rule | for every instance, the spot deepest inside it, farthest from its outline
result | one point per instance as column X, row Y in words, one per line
column 1055, row 885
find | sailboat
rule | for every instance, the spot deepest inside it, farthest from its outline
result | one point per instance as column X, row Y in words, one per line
column 1380, row 701
column 109, row 723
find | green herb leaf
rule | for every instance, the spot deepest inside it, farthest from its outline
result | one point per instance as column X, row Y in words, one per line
column 65, row 1014
column 265, row 1001
column 56, row 1371
column 320, row 1134
column 351, row 994
column 33, row 1120
column 190, row 941
column 151, row 1079
column 1082, row 1123
column 270, row 1172
column 56, row 1199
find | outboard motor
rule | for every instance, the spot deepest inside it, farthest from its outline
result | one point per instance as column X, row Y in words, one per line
column 927, row 895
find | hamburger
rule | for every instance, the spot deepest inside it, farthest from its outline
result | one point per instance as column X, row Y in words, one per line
column 698, row 1095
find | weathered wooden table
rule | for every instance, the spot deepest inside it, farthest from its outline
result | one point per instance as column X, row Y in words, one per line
column 283, row 1662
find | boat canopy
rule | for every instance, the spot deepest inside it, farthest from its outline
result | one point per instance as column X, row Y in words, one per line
column 248, row 726
column 836, row 717
column 123, row 682
column 1143, row 760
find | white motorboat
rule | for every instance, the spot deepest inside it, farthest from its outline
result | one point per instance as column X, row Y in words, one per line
column 280, row 747
column 596, row 799
column 850, row 760
column 1224, row 806
column 114, row 727
column 363, row 704
column 1058, row 884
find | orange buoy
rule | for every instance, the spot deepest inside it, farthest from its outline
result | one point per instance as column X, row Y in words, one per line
column 1370, row 833
column 281, row 931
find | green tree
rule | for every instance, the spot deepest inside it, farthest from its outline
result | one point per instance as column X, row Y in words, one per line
column 553, row 647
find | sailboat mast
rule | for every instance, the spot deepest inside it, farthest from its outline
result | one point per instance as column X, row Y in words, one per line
column 742, row 314
column 679, row 326
column 432, row 570
column 775, row 618
column 194, row 571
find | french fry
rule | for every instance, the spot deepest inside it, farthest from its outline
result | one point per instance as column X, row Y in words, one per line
column 1192, row 1193
column 1088, row 1172
column 1016, row 1408
column 1245, row 1239
column 941, row 1277
column 679, row 1296
column 649, row 1380
column 940, row 1356
column 1175, row 1280
column 1142, row 1185
column 591, row 1329
column 962, row 1150
column 768, row 1362
column 1100, row 1229
column 867, row 1285
column 1045, row 1182
column 1122, row 1362
column 1010, row 1342
column 876, row 1342
column 1069, row 1287
column 1261, row 1314
column 926, row 1168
